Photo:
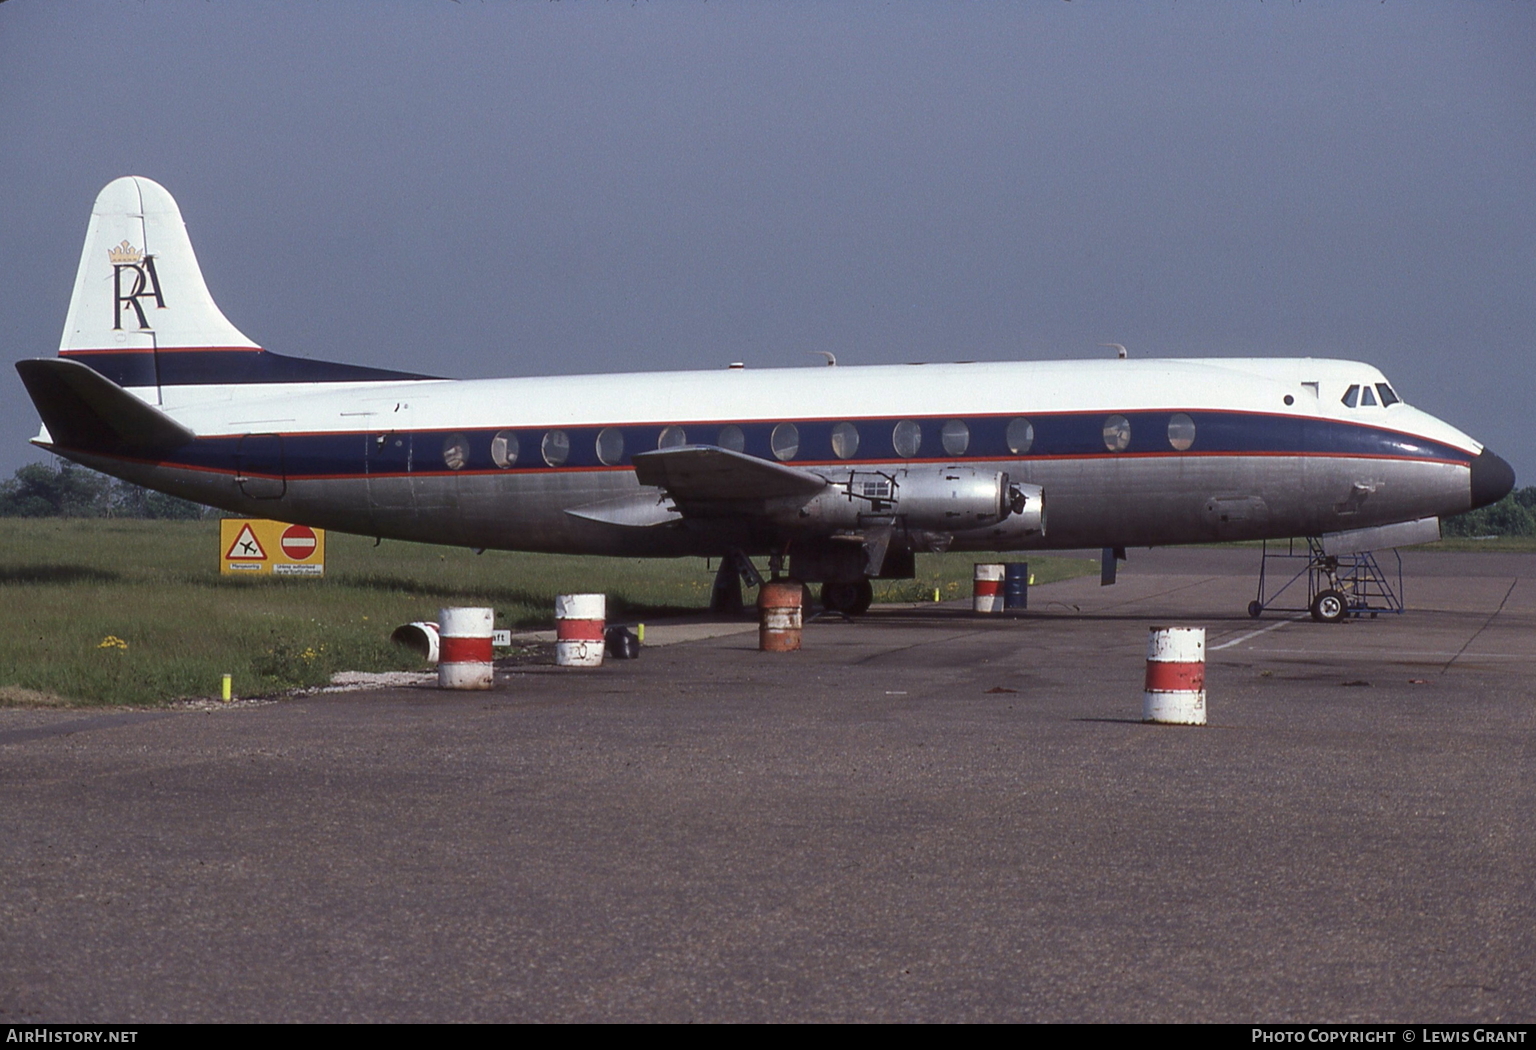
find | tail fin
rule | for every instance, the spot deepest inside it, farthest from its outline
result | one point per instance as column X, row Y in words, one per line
column 139, row 288
column 142, row 317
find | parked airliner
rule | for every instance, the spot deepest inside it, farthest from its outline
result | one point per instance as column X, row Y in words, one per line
column 837, row 474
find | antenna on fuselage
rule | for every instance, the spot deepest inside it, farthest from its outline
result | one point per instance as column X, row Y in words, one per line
column 1120, row 351
column 829, row 355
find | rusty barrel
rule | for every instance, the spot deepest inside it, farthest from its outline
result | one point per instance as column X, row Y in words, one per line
column 464, row 648
column 987, row 588
column 579, row 622
column 1175, row 685
column 778, row 616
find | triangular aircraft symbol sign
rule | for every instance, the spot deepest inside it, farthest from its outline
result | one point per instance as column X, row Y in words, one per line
column 246, row 547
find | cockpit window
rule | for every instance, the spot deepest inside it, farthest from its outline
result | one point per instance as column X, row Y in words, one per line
column 1351, row 396
column 1388, row 395
column 1367, row 398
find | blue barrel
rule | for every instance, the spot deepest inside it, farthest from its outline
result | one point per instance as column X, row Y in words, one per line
column 1016, row 585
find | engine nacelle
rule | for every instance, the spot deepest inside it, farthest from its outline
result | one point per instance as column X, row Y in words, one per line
column 936, row 499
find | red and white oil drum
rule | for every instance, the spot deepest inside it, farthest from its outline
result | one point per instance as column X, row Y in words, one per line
column 987, row 589
column 1175, row 684
column 464, row 648
column 579, row 622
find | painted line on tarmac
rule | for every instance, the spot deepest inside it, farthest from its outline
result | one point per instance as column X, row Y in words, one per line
column 1254, row 634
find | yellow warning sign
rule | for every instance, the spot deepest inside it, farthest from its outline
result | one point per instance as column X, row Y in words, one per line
column 252, row 546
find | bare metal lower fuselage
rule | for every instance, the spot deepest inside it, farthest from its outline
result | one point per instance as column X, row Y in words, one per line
column 1089, row 503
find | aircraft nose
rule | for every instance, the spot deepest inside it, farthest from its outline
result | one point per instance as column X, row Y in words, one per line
column 1492, row 479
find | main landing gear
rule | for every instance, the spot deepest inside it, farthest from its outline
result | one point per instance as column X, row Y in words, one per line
column 850, row 597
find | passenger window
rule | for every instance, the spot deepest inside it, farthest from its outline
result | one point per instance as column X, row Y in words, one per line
column 1117, row 433
column 455, row 451
column 556, row 447
column 1388, row 395
column 671, row 437
column 907, row 438
column 1181, row 431
column 1351, row 396
column 845, row 440
column 955, row 436
column 732, row 439
column 610, row 445
column 785, row 441
column 504, row 449
column 1020, row 436
column 1367, row 398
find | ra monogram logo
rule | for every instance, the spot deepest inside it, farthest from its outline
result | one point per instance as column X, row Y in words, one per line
column 141, row 267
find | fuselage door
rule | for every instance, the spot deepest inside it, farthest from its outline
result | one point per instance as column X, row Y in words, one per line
column 259, row 466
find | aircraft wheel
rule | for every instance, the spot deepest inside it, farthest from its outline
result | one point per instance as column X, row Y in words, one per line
column 851, row 597
column 1329, row 607
column 1254, row 608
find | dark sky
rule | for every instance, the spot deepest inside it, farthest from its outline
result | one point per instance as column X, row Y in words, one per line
column 533, row 188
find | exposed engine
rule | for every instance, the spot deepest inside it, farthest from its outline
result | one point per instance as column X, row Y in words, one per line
column 936, row 499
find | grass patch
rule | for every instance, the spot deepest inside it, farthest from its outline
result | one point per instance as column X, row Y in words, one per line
column 114, row 611
column 1505, row 544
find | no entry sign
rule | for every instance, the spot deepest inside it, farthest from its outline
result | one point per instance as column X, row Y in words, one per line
column 299, row 542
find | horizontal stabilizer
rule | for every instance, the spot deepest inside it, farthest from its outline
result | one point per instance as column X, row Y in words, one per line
column 703, row 474
column 638, row 511
column 84, row 410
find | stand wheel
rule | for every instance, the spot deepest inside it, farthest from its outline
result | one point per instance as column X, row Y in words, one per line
column 1254, row 608
column 1329, row 607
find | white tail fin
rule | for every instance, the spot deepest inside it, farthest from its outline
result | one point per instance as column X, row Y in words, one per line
column 139, row 287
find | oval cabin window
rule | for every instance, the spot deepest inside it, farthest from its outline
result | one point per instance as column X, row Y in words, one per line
column 504, row 449
column 732, row 439
column 955, row 436
column 785, row 441
column 845, row 440
column 907, row 438
column 610, row 445
column 455, row 451
column 556, row 448
column 1117, row 433
column 1020, row 436
column 1181, row 431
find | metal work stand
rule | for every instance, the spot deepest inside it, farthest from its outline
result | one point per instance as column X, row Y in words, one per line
column 1338, row 585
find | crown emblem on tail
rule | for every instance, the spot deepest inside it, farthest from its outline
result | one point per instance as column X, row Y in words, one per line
column 124, row 254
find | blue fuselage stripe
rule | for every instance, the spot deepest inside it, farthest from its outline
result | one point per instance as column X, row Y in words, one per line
column 1059, row 435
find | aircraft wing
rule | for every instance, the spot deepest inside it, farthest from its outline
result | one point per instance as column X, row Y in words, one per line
column 698, row 477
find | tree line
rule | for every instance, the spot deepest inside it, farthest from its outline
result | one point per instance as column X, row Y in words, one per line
column 66, row 490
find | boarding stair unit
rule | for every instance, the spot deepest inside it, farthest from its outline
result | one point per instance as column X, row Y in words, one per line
column 1340, row 584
